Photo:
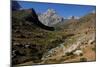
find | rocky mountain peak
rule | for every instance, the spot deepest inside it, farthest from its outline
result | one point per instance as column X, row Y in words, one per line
column 50, row 11
column 50, row 17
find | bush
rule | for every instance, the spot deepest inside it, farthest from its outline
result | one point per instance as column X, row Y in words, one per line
column 68, row 54
column 83, row 59
column 94, row 48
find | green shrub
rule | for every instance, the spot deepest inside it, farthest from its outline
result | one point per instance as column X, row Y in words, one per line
column 83, row 59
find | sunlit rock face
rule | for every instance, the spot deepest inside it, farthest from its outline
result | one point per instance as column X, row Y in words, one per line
column 50, row 17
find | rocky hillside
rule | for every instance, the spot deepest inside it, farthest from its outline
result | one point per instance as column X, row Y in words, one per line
column 50, row 17
column 31, row 38
column 79, row 44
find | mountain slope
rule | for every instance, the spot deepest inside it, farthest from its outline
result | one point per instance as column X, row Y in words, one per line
column 76, row 24
column 30, row 38
column 79, row 45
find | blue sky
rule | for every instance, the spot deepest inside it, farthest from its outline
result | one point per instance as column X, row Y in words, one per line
column 63, row 10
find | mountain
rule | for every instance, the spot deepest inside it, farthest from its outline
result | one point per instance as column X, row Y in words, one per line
column 75, row 24
column 31, row 38
column 50, row 17
column 73, row 17
column 79, row 44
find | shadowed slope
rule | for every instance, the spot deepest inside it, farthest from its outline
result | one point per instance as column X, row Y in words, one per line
column 34, row 18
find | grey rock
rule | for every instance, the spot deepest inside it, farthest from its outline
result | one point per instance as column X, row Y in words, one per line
column 50, row 17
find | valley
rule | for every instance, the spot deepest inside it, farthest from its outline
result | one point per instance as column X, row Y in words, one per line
column 35, row 42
